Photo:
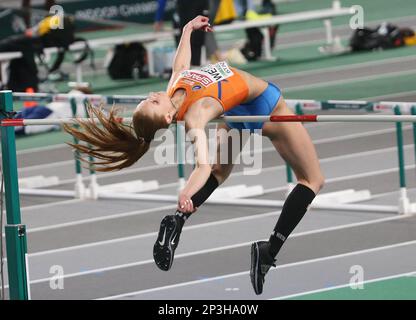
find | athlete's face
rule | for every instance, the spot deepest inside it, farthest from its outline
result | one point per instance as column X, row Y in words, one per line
column 157, row 104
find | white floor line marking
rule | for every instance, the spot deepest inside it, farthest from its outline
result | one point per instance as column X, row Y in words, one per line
column 168, row 185
column 120, row 173
column 390, row 95
column 271, row 270
column 370, row 173
column 50, row 204
column 334, row 158
column 109, row 217
column 390, row 193
column 227, row 247
column 47, row 165
column 342, row 67
column 351, row 80
column 399, row 275
column 42, row 149
column 360, row 135
column 352, row 176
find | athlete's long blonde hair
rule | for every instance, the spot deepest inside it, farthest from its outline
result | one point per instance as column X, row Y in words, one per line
column 115, row 144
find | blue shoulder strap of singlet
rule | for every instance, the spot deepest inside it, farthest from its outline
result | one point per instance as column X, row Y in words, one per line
column 219, row 90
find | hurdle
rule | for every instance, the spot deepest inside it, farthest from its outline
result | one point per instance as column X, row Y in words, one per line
column 79, row 184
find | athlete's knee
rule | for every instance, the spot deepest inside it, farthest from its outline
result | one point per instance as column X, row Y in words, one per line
column 320, row 182
column 220, row 173
column 315, row 183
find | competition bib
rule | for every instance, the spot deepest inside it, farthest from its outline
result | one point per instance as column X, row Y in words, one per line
column 208, row 74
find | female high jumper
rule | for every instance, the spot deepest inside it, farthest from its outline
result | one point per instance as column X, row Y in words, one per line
column 197, row 97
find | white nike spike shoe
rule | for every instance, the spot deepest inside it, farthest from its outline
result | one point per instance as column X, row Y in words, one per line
column 167, row 241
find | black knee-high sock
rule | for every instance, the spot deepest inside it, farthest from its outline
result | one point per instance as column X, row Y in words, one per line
column 201, row 196
column 293, row 211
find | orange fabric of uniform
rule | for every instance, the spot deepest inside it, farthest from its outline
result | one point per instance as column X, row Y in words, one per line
column 217, row 81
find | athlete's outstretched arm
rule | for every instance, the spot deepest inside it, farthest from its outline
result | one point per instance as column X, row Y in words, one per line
column 196, row 120
column 182, row 60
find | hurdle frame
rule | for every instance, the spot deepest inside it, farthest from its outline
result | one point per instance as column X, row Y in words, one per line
column 93, row 186
column 16, row 242
column 79, row 187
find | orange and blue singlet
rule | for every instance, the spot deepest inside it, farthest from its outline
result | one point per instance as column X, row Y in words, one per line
column 228, row 87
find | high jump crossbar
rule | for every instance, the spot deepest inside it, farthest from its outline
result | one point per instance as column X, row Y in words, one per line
column 284, row 118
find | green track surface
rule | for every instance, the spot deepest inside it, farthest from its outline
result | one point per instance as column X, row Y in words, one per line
column 403, row 288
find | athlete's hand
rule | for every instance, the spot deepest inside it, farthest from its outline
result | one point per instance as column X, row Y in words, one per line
column 200, row 23
column 185, row 204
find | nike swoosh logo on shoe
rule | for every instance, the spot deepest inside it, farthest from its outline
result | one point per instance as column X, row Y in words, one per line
column 174, row 239
column 163, row 238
